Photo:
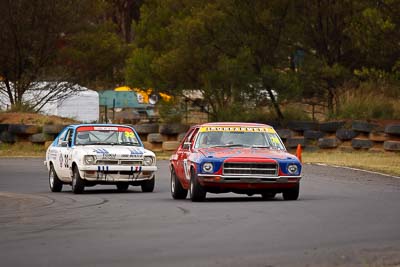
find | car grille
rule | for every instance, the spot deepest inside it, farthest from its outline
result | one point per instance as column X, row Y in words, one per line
column 119, row 162
column 250, row 169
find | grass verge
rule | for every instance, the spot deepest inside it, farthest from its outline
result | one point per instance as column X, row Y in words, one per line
column 22, row 149
column 385, row 162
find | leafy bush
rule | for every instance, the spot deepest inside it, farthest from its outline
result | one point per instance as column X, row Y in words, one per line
column 246, row 114
column 295, row 113
column 240, row 113
column 367, row 105
column 23, row 107
column 169, row 111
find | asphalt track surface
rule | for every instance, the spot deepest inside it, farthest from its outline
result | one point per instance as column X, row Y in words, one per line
column 343, row 218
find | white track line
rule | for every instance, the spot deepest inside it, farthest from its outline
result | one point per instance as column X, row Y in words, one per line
column 354, row 169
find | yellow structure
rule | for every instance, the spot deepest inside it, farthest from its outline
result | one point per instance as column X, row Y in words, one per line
column 143, row 95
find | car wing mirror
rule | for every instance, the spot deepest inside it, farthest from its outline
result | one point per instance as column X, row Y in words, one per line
column 186, row 145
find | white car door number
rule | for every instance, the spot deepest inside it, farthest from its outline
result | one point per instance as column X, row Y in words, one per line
column 66, row 161
column 186, row 169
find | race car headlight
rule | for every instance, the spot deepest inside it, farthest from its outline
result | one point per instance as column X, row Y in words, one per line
column 89, row 159
column 292, row 169
column 148, row 161
column 208, row 167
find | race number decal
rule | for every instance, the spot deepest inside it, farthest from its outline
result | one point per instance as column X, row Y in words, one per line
column 275, row 140
column 129, row 134
column 186, row 169
column 66, row 161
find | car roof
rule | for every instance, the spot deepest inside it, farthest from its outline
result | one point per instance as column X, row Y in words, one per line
column 98, row 124
column 234, row 124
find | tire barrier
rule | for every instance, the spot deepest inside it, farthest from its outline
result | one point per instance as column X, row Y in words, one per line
column 170, row 145
column 7, row 137
column 148, row 145
column 3, row 127
column 155, row 138
column 284, row 133
column 40, row 138
column 357, row 143
column 378, row 136
column 53, row 128
column 331, row 142
column 393, row 129
column 310, row 135
column 391, row 145
column 293, row 142
column 362, row 126
column 174, row 128
column 22, row 129
column 313, row 135
column 331, row 126
column 346, row 134
column 146, row 128
column 301, row 126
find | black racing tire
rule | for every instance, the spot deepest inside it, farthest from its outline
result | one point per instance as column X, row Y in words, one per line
column 393, row 129
column 148, row 185
column 268, row 195
column 391, row 145
column 146, row 128
column 53, row 128
column 329, row 142
column 78, row 184
column 54, row 182
column 173, row 128
column 197, row 192
column 155, row 138
column 292, row 193
column 177, row 191
column 122, row 187
column 170, row 145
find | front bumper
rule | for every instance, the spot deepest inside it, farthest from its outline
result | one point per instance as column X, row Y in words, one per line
column 248, row 181
column 103, row 173
column 118, row 168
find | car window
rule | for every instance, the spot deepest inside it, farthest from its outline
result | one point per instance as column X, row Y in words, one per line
column 65, row 135
column 275, row 141
column 246, row 137
column 104, row 135
column 207, row 139
column 62, row 137
column 69, row 136
column 189, row 138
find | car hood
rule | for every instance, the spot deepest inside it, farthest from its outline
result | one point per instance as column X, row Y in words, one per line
column 117, row 151
column 241, row 152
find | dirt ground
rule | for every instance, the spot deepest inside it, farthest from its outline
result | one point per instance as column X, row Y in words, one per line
column 32, row 118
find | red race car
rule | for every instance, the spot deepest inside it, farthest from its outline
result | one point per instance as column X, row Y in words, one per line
column 244, row 158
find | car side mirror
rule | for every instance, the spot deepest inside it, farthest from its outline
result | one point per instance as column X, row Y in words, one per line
column 186, row 145
column 64, row 143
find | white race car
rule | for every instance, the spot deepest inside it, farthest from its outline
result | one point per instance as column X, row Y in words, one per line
column 90, row 154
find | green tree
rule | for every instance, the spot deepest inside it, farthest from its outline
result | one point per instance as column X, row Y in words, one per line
column 123, row 13
column 227, row 49
column 343, row 38
column 95, row 56
column 31, row 34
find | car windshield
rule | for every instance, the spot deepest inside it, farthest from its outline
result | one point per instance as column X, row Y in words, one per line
column 243, row 138
column 97, row 135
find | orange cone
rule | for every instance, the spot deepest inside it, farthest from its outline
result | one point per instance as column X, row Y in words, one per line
column 298, row 152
